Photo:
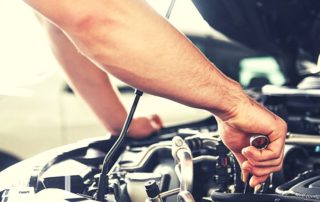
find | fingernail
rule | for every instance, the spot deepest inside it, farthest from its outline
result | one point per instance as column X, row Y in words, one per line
column 257, row 188
column 243, row 151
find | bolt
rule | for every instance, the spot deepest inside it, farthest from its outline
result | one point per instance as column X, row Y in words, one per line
column 178, row 142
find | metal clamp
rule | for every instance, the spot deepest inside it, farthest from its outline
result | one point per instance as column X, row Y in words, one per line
column 182, row 154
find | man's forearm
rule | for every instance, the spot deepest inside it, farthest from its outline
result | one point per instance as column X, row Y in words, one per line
column 128, row 39
column 91, row 83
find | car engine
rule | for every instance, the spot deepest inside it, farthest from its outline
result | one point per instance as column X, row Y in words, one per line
column 184, row 163
column 187, row 162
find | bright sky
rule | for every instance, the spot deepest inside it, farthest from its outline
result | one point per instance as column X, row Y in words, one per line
column 24, row 54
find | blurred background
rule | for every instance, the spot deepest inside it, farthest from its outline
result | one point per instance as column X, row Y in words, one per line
column 38, row 111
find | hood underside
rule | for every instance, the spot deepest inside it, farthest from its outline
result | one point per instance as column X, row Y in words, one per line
column 286, row 27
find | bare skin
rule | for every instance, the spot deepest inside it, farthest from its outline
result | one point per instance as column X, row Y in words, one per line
column 93, row 85
column 129, row 40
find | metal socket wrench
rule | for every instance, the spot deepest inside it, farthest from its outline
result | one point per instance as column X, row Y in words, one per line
column 260, row 142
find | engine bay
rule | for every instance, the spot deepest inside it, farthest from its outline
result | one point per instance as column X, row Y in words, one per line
column 187, row 162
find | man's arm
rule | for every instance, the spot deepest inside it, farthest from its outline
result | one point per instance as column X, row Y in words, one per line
column 94, row 86
column 128, row 39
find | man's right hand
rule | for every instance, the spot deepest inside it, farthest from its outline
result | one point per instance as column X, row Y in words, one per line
column 251, row 118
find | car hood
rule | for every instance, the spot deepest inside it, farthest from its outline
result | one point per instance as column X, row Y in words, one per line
column 287, row 27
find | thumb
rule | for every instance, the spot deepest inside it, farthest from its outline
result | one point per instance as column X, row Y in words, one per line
column 241, row 159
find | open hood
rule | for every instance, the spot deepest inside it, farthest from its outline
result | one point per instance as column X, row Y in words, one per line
column 286, row 28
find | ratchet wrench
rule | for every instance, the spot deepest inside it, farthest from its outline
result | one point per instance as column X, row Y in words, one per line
column 260, row 142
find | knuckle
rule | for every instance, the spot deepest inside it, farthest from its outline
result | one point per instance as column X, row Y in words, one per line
column 256, row 158
column 260, row 180
column 258, row 173
column 246, row 166
column 280, row 167
column 277, row 168
column 277, row 154
column 253, row 162
column 252, row 156
column 279, row 162
column 283, row 125
column 274, row 155
column 247, row 153
column 263, row 178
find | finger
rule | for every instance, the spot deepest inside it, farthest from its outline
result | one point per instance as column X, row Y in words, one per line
column 260, row 171
column 273, row 162
column 240, row 158
column 156, row 120
column 254, row 181
column 273, row 151
column 245, row 175
column 155, row 126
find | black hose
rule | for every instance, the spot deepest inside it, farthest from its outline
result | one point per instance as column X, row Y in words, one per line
column 237, row 176
column 103, row 178
column 286, row 186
